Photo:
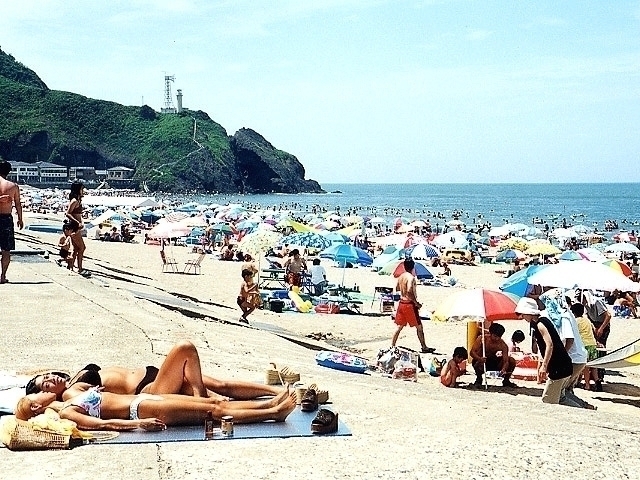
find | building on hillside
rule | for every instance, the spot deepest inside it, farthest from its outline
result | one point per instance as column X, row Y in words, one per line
column 86, row 174
column 51, row 173
column 22, row 172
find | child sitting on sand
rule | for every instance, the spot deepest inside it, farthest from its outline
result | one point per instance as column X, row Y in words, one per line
column 516, row 339
column 454, row 368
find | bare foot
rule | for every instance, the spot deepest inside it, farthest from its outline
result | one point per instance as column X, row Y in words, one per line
column 278, row 399
column 287, row 406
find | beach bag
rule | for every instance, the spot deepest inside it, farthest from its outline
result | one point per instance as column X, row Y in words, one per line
column 435, row 368
column 387, row 359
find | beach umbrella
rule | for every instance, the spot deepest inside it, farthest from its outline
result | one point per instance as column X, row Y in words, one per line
column 377, row 221
column 570, row 255
column 584, row 275
column 222, row 227
column 515, row 243
column 335, row 237
column 176, row 216
column 307, row 239
column 591, row 254
column 622, row 247
column 388, row 254
column 627, row 356
column 517, row 283
column 343, row 253
column 258, row 242
column 542, row 249
column 618, row 266
column 422, row 251
column 150, row 217
column 510, row 255
column 477, row 304
column 195, row 221
column 420, row 270
column 169, row 230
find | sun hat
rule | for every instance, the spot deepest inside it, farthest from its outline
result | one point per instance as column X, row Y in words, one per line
column 527, row 306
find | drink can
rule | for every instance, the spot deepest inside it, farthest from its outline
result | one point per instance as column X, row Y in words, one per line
column 226, row 426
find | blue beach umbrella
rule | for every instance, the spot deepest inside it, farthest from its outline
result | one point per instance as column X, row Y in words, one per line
column 570, row 255
column 517, row 283
column 422, row 250
column 343, row 253
column 307, row 239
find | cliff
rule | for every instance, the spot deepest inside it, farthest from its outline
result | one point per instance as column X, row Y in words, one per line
column 39, row 124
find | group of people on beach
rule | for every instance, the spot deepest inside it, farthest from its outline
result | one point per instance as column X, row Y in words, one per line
column 151, row 398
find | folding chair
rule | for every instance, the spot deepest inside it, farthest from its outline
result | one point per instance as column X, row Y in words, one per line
column 168, row 263
column 381, row 291
column 194, row 264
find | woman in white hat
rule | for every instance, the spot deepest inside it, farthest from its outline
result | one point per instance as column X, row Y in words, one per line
column 556, row 366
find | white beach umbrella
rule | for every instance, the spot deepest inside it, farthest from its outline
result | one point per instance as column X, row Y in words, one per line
column 588, row 275
column 622, row 247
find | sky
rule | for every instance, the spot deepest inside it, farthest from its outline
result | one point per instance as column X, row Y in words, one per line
column 368, row 91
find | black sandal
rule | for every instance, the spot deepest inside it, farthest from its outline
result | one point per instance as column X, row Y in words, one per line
column 309, row 401
column 325, row 422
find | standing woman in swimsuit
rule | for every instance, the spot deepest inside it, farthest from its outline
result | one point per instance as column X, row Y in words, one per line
column 74, row 217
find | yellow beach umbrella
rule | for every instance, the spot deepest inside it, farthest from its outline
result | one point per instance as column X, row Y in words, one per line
column 542, row 249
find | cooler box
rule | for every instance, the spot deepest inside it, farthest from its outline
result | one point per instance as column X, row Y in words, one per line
column 386, row 304
column 276, row 305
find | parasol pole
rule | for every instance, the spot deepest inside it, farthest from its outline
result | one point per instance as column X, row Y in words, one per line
column 484, row 355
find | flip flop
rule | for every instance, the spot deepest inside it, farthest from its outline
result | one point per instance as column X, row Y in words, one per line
column 428, row 350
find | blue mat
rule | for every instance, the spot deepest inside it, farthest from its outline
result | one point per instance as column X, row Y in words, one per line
column 298, row 424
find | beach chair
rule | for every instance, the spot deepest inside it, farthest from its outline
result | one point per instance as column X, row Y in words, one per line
column 194, row 264
column 168, row 264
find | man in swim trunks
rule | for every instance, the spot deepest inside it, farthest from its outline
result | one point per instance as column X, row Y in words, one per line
column 409, row 307
column 9, row 196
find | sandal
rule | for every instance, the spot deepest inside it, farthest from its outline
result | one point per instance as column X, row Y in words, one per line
column 428, row 350
column 309, row 401
column 323, row 395
column 273, row 376
column 325, row 422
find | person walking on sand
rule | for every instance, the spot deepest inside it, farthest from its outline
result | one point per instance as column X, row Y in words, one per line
column 9, row 196
column 74, row 219
column 249, row 297
column 408, row 309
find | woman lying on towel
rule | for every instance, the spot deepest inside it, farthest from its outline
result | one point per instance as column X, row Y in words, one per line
column 180, row 373
column 97, row 410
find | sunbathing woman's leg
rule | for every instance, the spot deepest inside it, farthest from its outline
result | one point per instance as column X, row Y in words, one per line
column 180, row 372
column 240, row 390
column 189, row 411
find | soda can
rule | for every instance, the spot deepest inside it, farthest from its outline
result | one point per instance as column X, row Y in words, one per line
column 226, row 426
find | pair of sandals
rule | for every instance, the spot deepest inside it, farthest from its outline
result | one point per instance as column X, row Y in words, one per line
column 325, row 421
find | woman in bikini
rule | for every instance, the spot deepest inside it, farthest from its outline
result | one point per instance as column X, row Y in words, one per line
column 180, row 373
column 97, row 410
column 74, row 220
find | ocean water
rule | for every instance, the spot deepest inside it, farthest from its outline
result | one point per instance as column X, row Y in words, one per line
column 587, row 204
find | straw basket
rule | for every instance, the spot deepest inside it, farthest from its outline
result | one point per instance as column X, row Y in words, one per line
column 19, row 435
column 273, row 376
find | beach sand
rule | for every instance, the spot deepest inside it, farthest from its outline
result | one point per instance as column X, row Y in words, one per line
column 54, row 318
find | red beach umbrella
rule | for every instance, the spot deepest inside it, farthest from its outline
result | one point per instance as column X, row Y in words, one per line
column 477, row 304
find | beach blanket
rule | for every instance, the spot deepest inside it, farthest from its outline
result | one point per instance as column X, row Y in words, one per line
column 298, row 424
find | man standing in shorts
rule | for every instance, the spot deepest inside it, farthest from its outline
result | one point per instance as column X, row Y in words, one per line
column 9, row 195
column 409, row 307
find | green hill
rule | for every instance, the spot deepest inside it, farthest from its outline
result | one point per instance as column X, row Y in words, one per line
column 39, row 124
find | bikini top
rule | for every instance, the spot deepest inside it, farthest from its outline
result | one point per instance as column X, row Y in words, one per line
column 89, row 401
column 89, row 374
column 77, row 210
